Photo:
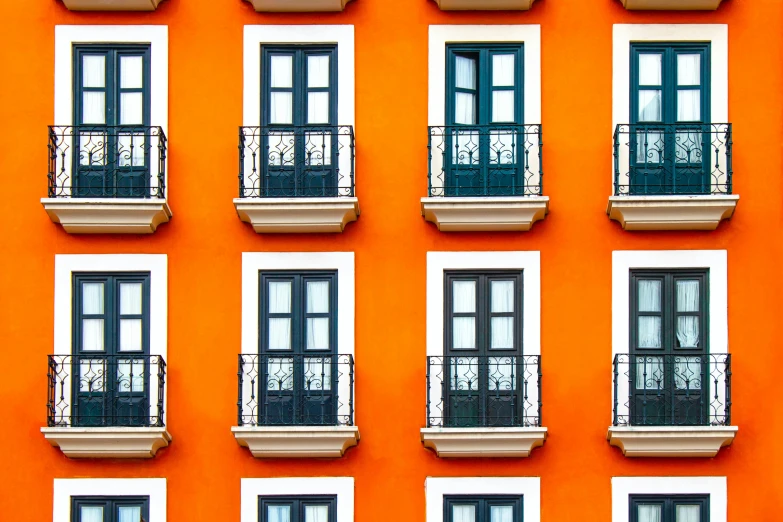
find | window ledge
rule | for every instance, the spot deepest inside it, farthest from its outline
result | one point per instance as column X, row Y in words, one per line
column 107, row 215
column 671, row 212
column 482, row 214
column 296, row 441
column 112, row 5
column 671, row 441
column 673, row 5
column 297, row 215
column 485, row 5
column 298, row 6
column 483, row 442
column 101, row 443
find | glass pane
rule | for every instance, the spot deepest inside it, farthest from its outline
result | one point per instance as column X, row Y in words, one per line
column 130, row 375
column 317, row 297
column 688, row 373
column 92, row 298
column 463, row 513
column 129, row 514
column 502, row 106
column 131, row 72
column 463, row 373
column 649, row 295
column 501, row 513
column 649, row 513
column 278, row 513
column 280, row 375
column 280, row 333
column 502, row 333
column 649, row 373
column 131, row 110
column 92, row 335
column 502, row 296
column 649, row 69
column 688, row 69
column 281, row 71
column 688, row 331
column 503, row 147
column 279, row 297
column 686, row 513
column 463, row 333
column 318, row 107
column 131, row 149
column 465, row 73
column 281, row 148
column 318, row 373
column 650, row 105
column 318, row 148
column 91, row 514
column 503, row 70
column 318, row 71
column 92, row 148
column 130, row 335
column 649, row 332
column 688, row 147
column 93, row 108
column 502, row 373
column 689, row 105
column 318, row 333
column 688, row 295
column 465, row 108
column 130, row 298
column 281, row 107
column 463, row 297
column 91, row 375
column 93, row 71
column 649, row 146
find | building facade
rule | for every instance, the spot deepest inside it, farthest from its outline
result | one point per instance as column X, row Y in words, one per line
column 298, row 260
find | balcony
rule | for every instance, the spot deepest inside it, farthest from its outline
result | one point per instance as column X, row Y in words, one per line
column 485, row 5
column 112, row 5
column 671, row 5
column 296, row 179
column 103, row 406
column 107, row 179
column 485, row 178
column 298, row 6
column 295, row 405
column 481, row 406
column 672, row 405
column 672, row 177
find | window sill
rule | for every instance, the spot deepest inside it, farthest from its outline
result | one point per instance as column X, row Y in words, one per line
column 674, row 5
column 671, row 441
column 483, row 442
column 297, row 215
column 112, row 5
column 296, row 441
column 298, row 6
column 484, row 5
column 671, row 212
column 483, row 214
column 107, row 215
column 102, row 443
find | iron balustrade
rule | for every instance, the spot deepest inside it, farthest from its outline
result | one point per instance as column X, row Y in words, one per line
column 295, row 390
column 483, row 391
column 296, row 161
column 96, row 161
column 672, row 390
column 485, row 160
column 94, row 390
column 652, row 159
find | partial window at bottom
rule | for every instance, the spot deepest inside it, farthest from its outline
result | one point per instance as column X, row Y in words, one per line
column 110, row 509
column 493, row 508
column 669, row 508
column 297, row 509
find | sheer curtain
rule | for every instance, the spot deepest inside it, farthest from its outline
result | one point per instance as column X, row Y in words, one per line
column 502, row 328
column 688, row 100
column 688, row 513
column 501, row 514
column 649, row 300
column 503, row 76
column 649, row 373
column 278, row 513
column 318, row 373
column 91, row 514
column 463, row 513
column 317, row 303
column 130, row 329
column 463, row 297
column 129, row 514
column 279, row 303
column 316, row 514
column 318, row 77
column 649, row 513
column 465, row 78
column 92, row 329
column 688, row 301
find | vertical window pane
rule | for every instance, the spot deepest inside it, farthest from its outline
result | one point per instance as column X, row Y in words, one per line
column 281, row 107
column 463, row 333
column 280, row 375
column 649, row 69
column 318, row 71
column 649, row 373
column 318, row 297
column 316, row 514
column 280, row 333
column 130, row 375
column 688, row 331
column 502, row 373
column 318, row 373
column 318, row 148
column 688, row 296
column 93, row 71
column 131, row 108
column 502, row 106
column 93, row 108
column 463, row 513
column 465, row 108
column 91, row 514
column 501, row 513
column 130, row 335
column 503, row 70
column 688, row 373
column 318, row 333
column 463, row 296
column 687, row 513
column 650, row 105
column 131, row 72
column 279, row 297
column 281, row 71
column 130, row 149
column 92, row 335
column 649, row 146
column 502, row 296
column 465, row 73
column 129, row 514
column 92, row 298
column 318, row 107
column 130, row 298
column 649, row 295
column 278, row 513
column 688, row 69
column 689, row 105
column 502, row 333
column 92, row 375
column 463, row 373
column 650, row 332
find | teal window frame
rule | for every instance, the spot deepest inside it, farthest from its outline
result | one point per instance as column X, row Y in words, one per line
column 668, row 504
column 483, row 505
column 110, row 506
column 297, row 505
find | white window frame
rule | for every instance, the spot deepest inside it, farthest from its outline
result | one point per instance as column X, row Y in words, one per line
column 623, row 487
column 157, row 266
column 623, row 261
column 65, row 489
column 528, row 487
column 157, row 36
column 341, row 487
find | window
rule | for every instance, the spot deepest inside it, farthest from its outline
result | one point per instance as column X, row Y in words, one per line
column 110, row 509
column 491, row 508
column 111, row 349
column 299, row 109
column 111, row 112
column 670, row 111
column 669, row 347
column 298, row 509
column 673, row 508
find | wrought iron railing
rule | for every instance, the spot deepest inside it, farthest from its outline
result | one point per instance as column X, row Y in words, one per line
column 672, row 390
column 670, row 159
column 291, row 390
column 96, row 161
column 296, row 161
column 485, row 160
column 486, row 391
column 105, row 390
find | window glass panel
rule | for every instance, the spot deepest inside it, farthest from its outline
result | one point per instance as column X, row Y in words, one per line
column 130, row 298
column 130, row 149
column 689, row 105
column 463, row 373
column 463, row 333
column 130, row 335
column 688, row 373
column 503, row 147
column 649, row 146
column 318, row 71
column 650, row 332
column 649, row 513
column 503, row 70
column 317, row 297
column 318, row 148
column 502, row 373
column 502, row 296
column 502, row 106
column 92, row 148
column 316, row 514
column 93, row 70
column 501, row 513
column 688, row 69
column 463, row 513
column 92, row 298
column 280, row 374
column 649, row 69
column 131, row 73
column 91, row 514
column 649, row 298
column 92, row 335
column 279, row 333
column 465, row 73
column 688, row 331
column 465, row 108
column 281, row 107
column 318, row 107
column 129, row 513
column 502, row 333
column 93, row 108
column 131, row 108
column 279, row 297
column 650, row 105
column 91, row 375
column 318, row 373
column 130, row 375
column 317, row 333
column 688, row 513
column 649, row 373
column 463, row 297
column 281, row 71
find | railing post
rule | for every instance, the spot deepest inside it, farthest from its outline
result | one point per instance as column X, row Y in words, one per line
column 428, row 392
column 241, row 175
column 429, row 177
column 727, row 369
column 617, row 169
column 240, row 371
column 540, row 162
column 540, row 402
column 614, row 380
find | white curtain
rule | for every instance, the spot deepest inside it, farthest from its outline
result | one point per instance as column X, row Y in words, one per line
column 502, row 106
column 649, row 373
column 688, row 373
column 280, row 374
column 279, row 333
column 317, row 303
column 463, row 301
column 131, row 72
column 650, row 105
column 130, row 304
column 318, row 71
column 281, row 107
column 318, row 148
column 650, row 69
column 130, row 149
column 92, row 329
column 131, row 108
column 129, row 514
column 688, row 513
column 503, row 147
column 281, row 71
column 649, row 513
column 501, row 514
column 465, row 147
column 502, row 373
column 464, row 373
column 649, row 146
column 279, row 297
column 689, row 105
column 688, row 69
column 463, row 513
column 502, row 333
column 130, row 335
column 317, row 297
column 279, row 303
column 318, row 373
column 130, row 375
column 688, row 301
column 93, row 108
column 93, row 103
column 503, row 70
column 502, row 296
column 465, row 78
column 316, row 514
column 649, row 300
column 92, row 298
column 278, row 513
column 93, row 70
column 318, row 107
column 92, row 373
column 91, row 514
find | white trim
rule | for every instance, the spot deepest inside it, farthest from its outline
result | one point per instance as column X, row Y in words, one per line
column 715, row 487
column 154, row 488
column 528, row 487
column 252, row 488
column 155, row 264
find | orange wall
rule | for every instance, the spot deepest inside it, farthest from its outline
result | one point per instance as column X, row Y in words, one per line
column 205, row 239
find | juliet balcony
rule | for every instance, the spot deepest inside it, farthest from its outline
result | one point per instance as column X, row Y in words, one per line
column 483, row 406
column 296, row 405
column 107, row 179
column 672, row 177
column 103, row 406
column 297, row 178
column 672, row 405
column 485, row 178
